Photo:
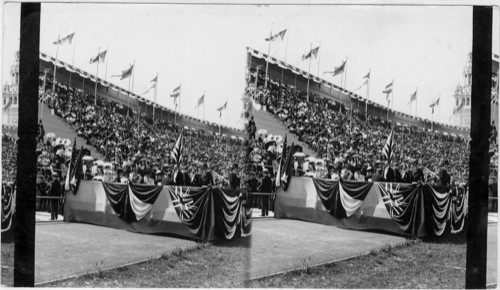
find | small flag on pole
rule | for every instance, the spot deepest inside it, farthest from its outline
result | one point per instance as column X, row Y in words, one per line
column 177, row 151
column 67, row 39
column 337, row 70
column 434, row 104
column 126, row 73
column 280, row 34
column 311, row 53
column 101, row 57
column 201, row 100
column 155, row 79
column 176, row 93
column 367, row 75
column 413, row 97
column 388, row 88
column 388, row 147
column 223, row 107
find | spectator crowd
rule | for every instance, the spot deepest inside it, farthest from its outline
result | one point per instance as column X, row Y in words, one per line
column 349, row 146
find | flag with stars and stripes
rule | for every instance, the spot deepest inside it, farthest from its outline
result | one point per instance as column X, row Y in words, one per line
column 389, row 147
column 177, row 151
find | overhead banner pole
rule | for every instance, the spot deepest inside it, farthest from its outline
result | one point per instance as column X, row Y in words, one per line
column 72, row 63
column 55, row 64
column 96, row 76
column 267, row 58
column 309, row 74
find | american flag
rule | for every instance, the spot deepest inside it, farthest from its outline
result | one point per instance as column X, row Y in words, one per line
column 388, row 147
column 177, row 151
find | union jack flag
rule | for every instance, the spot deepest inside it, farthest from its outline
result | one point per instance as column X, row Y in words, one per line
column 393, row 199
column 183, row 203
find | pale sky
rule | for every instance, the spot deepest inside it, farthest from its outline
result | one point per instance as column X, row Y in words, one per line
column 203, row 47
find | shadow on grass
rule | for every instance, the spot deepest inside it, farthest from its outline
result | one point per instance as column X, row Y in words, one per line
column 241, row 242
column 448, row 238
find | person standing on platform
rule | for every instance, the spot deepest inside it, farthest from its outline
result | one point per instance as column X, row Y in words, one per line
column 266, row 187
column 54, row 191
column 208, row 178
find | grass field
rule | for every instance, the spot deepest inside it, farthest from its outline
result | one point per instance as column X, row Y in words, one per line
column 8, row 264
column 415, row 264
column 221, row 265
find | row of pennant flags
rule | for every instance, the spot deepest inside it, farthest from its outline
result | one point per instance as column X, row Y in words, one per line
column 313, row 52
column 101, row 58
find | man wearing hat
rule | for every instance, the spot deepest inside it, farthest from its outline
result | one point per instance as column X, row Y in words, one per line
column 208, row 178
column 266, row 187
column 234, row 180
column 54, row 191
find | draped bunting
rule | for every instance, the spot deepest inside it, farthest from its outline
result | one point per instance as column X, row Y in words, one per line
column 405, row 205
column 194, row 208
column 417, row 209
column 201, row 212
column 7, row 208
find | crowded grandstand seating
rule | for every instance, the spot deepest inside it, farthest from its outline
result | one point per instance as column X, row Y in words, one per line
column 139, row 150
column 351, row 145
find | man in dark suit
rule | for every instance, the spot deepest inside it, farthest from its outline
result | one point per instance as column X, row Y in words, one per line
column 198, row 178
column 186, row 177
column 208, row 178
column 389, row 175
column 267, row 187
column 234, row 180
column 54, row 191
column 178, row 176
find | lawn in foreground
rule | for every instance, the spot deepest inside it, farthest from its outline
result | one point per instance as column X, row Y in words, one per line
column 218, row 264
column 415, row 264
column 8, row 264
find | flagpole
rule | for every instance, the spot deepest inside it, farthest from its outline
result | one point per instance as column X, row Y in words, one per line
column 267, row 58
column 319, row 58
column 97, row 76
column 156, row 88
column 106, row 70
column 367, row 95
column 72, row 62
column 309, row 73
column 227, row 115
column 128, row 97
column 203, row 106
column 44, row 90
column 55, row 64
column 282, row 69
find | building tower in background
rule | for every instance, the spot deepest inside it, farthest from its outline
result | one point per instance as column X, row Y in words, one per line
column 10, row 104
column 462, row 95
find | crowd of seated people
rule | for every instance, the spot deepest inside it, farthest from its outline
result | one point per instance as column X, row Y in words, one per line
column 352, row 145
column 9, row 158
column 139, row 151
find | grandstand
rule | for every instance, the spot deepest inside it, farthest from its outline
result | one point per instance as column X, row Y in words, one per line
column 282, row 71
column 83, row 80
